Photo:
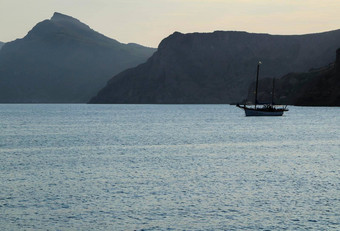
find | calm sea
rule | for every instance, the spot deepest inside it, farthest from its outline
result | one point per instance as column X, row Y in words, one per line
column 168, row 167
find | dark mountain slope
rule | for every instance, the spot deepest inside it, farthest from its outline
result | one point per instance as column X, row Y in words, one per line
column 62, row 60
column 1, row 44
column 318, row 87
column 216, row 67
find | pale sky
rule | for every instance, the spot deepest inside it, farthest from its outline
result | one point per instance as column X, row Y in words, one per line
column 147, row 22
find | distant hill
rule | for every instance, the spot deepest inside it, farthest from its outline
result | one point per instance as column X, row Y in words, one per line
column 62, row 60
column 317, row 87
column 216, row 67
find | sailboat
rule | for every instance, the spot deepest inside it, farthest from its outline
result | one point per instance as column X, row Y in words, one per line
column 263, row 109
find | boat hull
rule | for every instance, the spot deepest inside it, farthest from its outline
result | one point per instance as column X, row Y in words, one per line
column 253, row 112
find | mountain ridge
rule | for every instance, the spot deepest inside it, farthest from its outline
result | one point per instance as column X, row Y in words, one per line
column 62, row 60
column 216, row 67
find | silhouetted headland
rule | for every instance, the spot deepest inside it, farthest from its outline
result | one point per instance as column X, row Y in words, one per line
column 216, row 67
column 62, row 60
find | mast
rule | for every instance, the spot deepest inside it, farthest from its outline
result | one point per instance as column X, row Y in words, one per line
column 257, row 81
column 273, row 91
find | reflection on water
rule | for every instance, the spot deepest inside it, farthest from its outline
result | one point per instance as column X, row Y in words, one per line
column 156, row 167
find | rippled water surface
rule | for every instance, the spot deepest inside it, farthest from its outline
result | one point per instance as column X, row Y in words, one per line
column 168, row 167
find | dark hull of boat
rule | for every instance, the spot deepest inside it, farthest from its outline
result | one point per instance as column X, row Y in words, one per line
column 254, row 112
column 264, row 111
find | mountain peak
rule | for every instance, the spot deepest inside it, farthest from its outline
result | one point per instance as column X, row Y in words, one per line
column 71, row 62
column 63, row 18
column 59, row 17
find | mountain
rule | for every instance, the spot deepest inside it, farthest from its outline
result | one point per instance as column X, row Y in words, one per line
column 62, row 60
column 317, row 87
column 216, row 67
column 1, row 44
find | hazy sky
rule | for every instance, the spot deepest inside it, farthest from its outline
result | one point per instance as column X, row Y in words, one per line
column 147, row 22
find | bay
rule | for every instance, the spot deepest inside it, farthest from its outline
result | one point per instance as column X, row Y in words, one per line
column 168, row 167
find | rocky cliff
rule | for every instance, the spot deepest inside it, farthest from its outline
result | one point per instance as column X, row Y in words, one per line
column 317, row 87
column 216, row 67
column 62, row 60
